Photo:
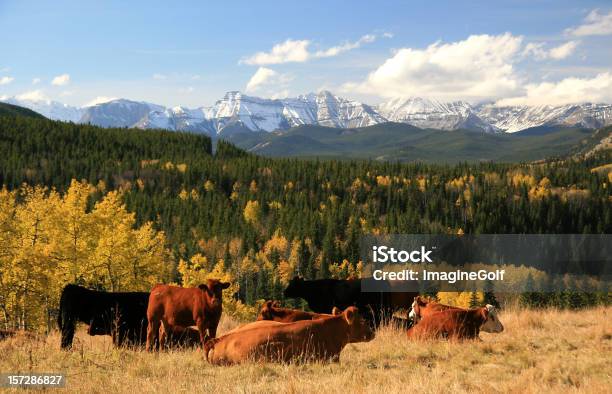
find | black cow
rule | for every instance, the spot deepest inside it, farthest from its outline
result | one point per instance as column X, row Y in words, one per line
column 324, row 294
column 121, row 315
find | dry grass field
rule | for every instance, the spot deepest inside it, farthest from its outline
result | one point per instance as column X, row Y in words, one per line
column 539, row 352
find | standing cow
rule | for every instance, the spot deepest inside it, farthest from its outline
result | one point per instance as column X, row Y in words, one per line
column 177, row 306
column 122, row 315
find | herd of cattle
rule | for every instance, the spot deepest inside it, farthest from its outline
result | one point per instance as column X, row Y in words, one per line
column 171, row 316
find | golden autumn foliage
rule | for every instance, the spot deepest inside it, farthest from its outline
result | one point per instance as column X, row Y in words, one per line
column 48, row 240
column 252, row 212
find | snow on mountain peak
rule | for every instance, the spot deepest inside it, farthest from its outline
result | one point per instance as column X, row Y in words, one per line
column 236, row 112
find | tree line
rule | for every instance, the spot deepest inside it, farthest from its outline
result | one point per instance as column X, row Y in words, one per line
column 263, row 220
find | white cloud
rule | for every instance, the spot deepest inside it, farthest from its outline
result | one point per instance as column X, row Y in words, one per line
column 476, row 68
column 6, row 80
column 595, row 24
column 566, row 91
column 347, row 46
column 563, row 50
column 261, row 77
column 286, row 52
column 35, row 81
column 269, row 83
column 34, row 95
column 538, row 51
column 535, row 49
column 159, row 76
column 99, row 100
column 61, row 80
column 188, row 89
column 296, row 51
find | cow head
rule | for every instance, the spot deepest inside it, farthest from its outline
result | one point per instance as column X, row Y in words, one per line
column 415, row 313
column 359, row 329
column 213, row 289
column 266, row 312
column 294, row 289
column 491, row 320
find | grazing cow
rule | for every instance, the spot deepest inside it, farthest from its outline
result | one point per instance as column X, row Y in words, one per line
column 305, row 340
column 180, row 337
column 323, row 294
column 423, row 307
column 271, row 310
column 177, row 306
column 122, row 315
column 457, row 324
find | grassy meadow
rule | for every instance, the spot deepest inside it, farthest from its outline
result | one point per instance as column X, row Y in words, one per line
column 546, row 351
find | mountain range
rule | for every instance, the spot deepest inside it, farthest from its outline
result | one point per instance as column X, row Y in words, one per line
column 237, row 113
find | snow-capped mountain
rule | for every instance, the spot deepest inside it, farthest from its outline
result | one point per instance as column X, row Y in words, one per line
column 118, row 113
column 236, row 112
column 433, row 114
column 512, row 119
column 50, row 109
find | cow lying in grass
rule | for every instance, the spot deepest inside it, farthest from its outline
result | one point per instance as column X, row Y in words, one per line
column 271, row 310
column 457, row 324
column 306, row 340
column 423, row 307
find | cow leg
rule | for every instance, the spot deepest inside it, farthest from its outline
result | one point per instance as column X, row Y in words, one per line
column 68, row 328
column 152, row 333
column 202, row 329
column 163, row 334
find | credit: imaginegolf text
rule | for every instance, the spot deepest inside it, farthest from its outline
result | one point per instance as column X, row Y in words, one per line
column 444, row 276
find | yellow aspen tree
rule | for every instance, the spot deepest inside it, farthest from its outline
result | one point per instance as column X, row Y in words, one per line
column 111, row 256
column 72, row 234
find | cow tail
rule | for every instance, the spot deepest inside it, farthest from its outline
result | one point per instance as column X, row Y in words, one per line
column 209, row 345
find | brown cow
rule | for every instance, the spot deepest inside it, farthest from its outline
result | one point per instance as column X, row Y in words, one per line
column 271, row 310
column 180, row 337
column 457, row 324
column 177, row 306
column 422, row 307
column 305, row 340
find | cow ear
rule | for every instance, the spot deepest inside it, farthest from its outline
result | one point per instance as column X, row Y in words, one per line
column 336, row 311
column 203, row 287
column 349, row 315
column 224, row 285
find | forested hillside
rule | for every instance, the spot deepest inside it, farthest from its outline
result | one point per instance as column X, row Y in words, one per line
column 258, row 221
column 406, row 143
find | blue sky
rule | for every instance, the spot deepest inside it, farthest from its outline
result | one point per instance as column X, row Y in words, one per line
column 512, row 52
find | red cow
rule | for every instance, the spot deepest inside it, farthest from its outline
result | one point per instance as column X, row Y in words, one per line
column 177, row 306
